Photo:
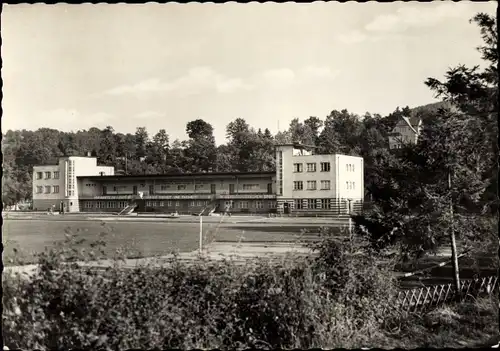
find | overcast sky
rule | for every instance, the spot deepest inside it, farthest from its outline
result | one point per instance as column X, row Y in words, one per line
column 72, row 67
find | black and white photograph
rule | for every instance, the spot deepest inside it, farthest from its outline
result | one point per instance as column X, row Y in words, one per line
column 250, row 175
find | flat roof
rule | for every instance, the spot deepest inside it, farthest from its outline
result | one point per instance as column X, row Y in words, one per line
column 180, row 175
column 298, row 145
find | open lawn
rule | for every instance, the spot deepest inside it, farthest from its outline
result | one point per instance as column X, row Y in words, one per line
column 145, row 238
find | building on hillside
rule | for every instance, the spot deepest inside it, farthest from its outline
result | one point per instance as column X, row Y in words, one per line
column 56, row 185
column 303, row 184
column 310, row 184
column 405, row 132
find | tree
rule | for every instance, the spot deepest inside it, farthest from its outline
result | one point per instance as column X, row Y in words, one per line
column 341, row 134
column 314, row 124
column 475, row 93
column 107, row 151
column 428, row 193
column 301, row 133
column 158, row 150
column 141, row 142
column 201, row 152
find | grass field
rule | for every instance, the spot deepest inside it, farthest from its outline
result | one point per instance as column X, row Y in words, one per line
column 145, row 238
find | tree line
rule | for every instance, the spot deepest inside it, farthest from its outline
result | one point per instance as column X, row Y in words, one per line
column 246, row 149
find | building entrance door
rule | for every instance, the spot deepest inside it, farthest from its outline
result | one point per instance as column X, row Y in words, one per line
column 286, row 208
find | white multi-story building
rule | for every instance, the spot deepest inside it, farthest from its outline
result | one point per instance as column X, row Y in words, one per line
column 317, row 183
column 56, row 184
column 303, row 183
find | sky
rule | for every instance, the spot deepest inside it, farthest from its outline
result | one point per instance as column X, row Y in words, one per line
column 73, row 67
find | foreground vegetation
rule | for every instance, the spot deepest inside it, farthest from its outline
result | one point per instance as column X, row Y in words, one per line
column 341, row 298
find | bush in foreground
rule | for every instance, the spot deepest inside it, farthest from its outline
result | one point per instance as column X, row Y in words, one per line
column 341, row 298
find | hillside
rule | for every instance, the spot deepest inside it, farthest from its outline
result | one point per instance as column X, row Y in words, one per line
column 431, row 107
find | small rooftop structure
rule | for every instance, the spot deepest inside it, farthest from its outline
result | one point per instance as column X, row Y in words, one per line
column 299, row 148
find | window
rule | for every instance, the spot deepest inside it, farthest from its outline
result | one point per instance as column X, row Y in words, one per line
column 325, row 185
column 169, row 203
column 181, row 187
column 259, row 204
column 88, row 204
column 162, row 203
column 243, row 204
column 347, row 185
column 164, row 187
column 325, row 204
column 177, row 203
column 353, row 185
column 199, row 203
column 347, row 167
column 299, row 205
column 311, row 203
column 198, row 186
column 48, row 175
column 55, row 189
column 311, row 167
column 311, row 185
column 47, row 189
column 298, row 185
column 325, row 166
column 111, row 204
column 353, row 168
column 271, row 204
column 39, row 189
column 56, row 175
column 251, row 186
column 192, row 204
column 114, row 188
column 39, row 175
column 297, row 167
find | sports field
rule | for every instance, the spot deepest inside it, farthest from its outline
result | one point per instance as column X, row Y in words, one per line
column 148, row 237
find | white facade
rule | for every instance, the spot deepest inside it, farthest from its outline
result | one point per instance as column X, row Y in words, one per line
column 53, row 184
column 406, row 131
column 308, row 181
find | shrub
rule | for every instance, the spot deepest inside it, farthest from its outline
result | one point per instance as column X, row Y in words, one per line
column 336, row 300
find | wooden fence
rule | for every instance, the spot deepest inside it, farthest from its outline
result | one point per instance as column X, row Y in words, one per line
column 432, row 296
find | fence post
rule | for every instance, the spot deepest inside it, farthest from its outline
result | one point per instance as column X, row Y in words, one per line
column 201, row 234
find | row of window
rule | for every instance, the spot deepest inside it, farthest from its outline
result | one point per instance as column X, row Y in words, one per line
column 324, row 204
column 311, row 185
column 242, row 204
column 123, row 204
column 182, row 187
column 54, row 189
column 48, row 175
column 325, row 185
column 311, row 167
column 106, row 204
column 349, row 167
column 174, row 203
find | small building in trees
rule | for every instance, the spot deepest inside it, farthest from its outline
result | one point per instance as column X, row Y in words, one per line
column 302, row 184
column 405, row 132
